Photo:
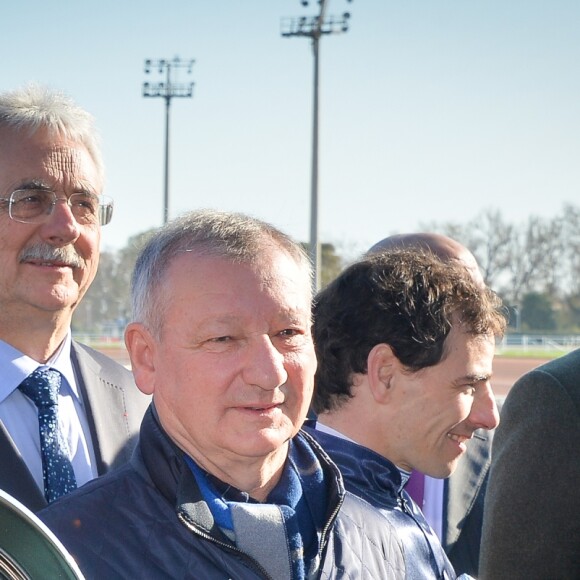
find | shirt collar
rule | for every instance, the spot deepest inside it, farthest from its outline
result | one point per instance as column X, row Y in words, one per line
column 16, row 366
column 326, row 429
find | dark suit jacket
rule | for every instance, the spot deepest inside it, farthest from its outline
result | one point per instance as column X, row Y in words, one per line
column 463, row 497
column 114, row 407
column 531, row 524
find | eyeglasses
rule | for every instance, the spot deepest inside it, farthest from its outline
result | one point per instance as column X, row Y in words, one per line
column 34, row 206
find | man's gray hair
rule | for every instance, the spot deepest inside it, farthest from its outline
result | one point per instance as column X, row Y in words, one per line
column 235, row 237
column 35, row 107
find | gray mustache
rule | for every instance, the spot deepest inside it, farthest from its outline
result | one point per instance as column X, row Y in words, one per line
column 46, row 253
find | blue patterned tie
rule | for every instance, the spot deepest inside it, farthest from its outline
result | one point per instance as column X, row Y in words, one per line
column 42, row 388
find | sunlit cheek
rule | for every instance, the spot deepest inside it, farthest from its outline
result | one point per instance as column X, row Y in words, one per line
column 298, row 395
column 306, row 393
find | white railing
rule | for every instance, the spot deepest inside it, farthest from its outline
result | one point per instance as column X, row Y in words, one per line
column 532, row 342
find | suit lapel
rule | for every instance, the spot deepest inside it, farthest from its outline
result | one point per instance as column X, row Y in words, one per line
column 466, row 484
column 105, row 408
column 16, row 479
column 462, row 487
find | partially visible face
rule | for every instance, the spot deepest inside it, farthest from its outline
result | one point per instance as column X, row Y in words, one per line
column 234, row 369
column 445, row 248
column 440, row 407
column 50, row 285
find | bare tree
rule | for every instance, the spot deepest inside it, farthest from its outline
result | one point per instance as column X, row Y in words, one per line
column 570, row 238
column 541, row 255
column 488, row 237
column 490, row 241
column 532, row 259
column 99, row 306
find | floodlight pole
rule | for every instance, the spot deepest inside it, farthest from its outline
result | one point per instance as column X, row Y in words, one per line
column 167, row 90
column 315, row 251
column 314, row 28
column 166, row 164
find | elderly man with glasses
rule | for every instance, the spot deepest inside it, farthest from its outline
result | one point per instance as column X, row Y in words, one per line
column 67, row 413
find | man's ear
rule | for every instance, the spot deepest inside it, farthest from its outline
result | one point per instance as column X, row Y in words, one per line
column 141, row 347
column 382, row 365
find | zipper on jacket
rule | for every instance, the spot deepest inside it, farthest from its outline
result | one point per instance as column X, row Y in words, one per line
column 325, row 531
column 248, row 558
column 329, row 525
column 404, row 505
column 441, row 567
column 256, row 565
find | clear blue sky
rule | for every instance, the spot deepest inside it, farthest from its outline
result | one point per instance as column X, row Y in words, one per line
column 430, row 109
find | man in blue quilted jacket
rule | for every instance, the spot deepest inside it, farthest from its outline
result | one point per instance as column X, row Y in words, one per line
column 223, row 483
column 405, row 344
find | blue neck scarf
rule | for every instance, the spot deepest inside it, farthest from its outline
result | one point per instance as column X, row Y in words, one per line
column 294, row 509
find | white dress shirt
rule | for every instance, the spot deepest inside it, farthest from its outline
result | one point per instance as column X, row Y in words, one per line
column 325, row 429
column 19, row 414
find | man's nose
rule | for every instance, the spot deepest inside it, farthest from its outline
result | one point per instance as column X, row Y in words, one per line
column 484, row 413
column 265, row 365
column 61, row 225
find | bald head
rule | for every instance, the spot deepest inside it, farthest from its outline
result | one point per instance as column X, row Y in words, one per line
column 446, row 249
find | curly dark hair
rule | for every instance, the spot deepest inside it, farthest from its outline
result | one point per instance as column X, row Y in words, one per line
column 408, row 299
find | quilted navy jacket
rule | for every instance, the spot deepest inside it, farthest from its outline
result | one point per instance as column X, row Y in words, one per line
column 149, row 520
column 376, row 480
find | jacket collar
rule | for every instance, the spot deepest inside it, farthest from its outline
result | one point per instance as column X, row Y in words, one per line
column 366, row 473
column 166, row 467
